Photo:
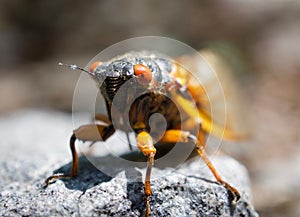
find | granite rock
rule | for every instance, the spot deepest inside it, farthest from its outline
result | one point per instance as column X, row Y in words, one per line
column 32, row 149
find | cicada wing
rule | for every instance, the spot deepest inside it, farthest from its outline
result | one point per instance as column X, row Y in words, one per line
column 210, row 81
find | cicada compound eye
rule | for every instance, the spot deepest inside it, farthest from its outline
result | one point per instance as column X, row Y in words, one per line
column 143, row 74
column 94, row 65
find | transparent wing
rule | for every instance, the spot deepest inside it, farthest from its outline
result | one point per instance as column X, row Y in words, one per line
column 210, row 80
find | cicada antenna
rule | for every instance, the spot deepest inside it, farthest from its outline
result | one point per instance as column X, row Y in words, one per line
column 74, row 67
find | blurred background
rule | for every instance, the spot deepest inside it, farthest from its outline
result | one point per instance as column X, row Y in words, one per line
column 260, row 39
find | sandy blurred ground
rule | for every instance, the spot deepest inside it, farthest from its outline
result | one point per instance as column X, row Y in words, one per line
column 36, row 35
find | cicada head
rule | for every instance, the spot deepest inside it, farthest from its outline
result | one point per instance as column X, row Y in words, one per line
column 126, row 77
column 110, row 76
column 130, row 75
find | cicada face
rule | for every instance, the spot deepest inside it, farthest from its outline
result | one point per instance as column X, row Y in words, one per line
column 130, row 75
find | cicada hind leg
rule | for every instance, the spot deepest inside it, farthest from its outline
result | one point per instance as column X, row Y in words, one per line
column 173, row 136
column 185, row 136
column 200, row 148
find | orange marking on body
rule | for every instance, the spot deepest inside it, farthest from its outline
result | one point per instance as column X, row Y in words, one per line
column 143, row 73
column 94, row 66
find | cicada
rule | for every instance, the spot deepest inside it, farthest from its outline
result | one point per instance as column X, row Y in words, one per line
column 137, row 85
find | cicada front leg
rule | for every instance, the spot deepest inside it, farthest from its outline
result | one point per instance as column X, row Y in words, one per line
column 91, row 132
column 146, row 146
column 74, row 169
column 173, row 136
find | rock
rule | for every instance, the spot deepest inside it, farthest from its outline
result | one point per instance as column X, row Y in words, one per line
column 34, row 146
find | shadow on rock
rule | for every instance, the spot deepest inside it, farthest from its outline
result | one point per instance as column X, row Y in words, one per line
column 96, row 170
column 88, row 176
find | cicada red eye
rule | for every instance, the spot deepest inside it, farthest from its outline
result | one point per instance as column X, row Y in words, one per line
column 143, row 73
column 94, row 65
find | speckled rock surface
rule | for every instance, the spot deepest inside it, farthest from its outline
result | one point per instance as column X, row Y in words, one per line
column 32, row 149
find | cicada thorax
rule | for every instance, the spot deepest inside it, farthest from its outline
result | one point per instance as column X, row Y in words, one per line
column 154, row 113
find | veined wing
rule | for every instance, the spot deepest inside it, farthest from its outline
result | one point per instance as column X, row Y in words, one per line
column 210, row 81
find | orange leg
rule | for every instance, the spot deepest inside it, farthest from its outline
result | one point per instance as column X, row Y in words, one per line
column 89, row 132
column 174, row 136
column 146, row 146
column 74, row 169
